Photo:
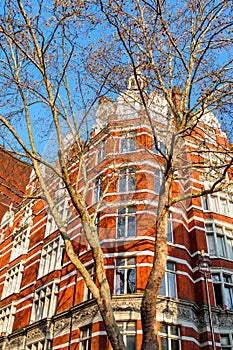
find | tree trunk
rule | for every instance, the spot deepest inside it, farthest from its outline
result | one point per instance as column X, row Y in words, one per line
column 148, row 307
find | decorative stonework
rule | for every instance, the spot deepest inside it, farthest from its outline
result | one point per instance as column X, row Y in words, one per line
column 86, row 316
column 15, row 343
column 130, row 304
column 36, row 334
column 61, row 326
column 224, row 319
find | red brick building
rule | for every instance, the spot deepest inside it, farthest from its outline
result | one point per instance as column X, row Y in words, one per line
column 14, row 177
column 44, row 303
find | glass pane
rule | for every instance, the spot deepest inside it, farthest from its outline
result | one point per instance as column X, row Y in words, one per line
column 122, row 184
column 230, row 248
column 164, row 344
column 120, row 277
column 163, row 328
column 131, row 281
column 174, row 344
column 215, row 277
column 163, row 288
column 123, row 145
column 211, row 245
column 132, row 144
column 132, row 226
column 209, row 227
column 220, row 244
column 120, row 262
column 228, row 296
column 174, row 330
column 121, row 227
column 131, row 342
column 205, row 203
column 132, row 183
column 170, row 266
column 171, row 285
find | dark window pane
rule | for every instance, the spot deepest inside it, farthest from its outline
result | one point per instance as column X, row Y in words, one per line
column 164, row 343
column 121, row 227
column 120, row 281
column 132, row 183
column 174, row 344
column 132, row 226
column 131, row 281
column 131, row 342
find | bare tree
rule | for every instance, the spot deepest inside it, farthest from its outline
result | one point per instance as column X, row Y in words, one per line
column 183, row 54
column 45, row 89
column 185, row 51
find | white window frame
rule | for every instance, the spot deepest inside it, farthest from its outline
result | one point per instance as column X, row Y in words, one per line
column 13, row 280
column 85, row 338
column 219, row 240
column 97, row 191
column 7, row 221
column 169, row 285
column 128, row 330
column 39, row 345
column 51, row 256
column 127, row 180
column 125, row 267
column 170, row 335
column 126, row 219
column 7, row 315
column 170, row 237
column 45, row 301
column 224, row 279
column 20, row 243
column 64, row 212
column 128, row 142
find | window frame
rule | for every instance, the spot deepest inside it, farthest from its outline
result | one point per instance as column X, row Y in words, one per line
column 98, row 189
column 12, row 282
column 219, row 236
column 55, row 262
column 38, row 345
column 7, row 315
column 169, row 283
column 126, row 175
column 222, row 282
column 45, row 301
column 169, row 335
column 125, row 221
column 127, row 142
column 85, row 337
column 228, row 346
column 126, row 333
column 128, row 265
column 20, row 236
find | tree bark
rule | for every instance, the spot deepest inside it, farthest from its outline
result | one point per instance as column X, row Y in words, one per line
column 148, row 307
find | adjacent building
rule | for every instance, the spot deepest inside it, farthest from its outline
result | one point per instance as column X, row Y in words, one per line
column 44, row 303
